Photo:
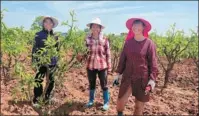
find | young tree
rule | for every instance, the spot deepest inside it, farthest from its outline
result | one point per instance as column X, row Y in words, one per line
column 116, row 44
column 193, row 48
column 172, row 46
column 86, row 30
column 13, row 45
column 35, row 25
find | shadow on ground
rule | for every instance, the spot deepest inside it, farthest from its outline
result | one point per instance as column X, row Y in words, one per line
column 70, row 106
column 19, row 104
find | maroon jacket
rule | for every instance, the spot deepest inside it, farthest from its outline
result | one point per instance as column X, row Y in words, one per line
column 138, row 60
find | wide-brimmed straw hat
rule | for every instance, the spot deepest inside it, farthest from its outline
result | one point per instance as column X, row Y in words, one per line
column 96, row 21
column 55, row 21
column 129, row 24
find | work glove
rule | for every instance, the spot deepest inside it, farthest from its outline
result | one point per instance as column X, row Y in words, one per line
column 150, row 86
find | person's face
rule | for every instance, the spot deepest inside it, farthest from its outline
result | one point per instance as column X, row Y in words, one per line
column 95, row 29
column 48, row 24
column 138, row 28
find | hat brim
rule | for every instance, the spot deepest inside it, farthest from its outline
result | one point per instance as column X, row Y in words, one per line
column 88, row 25
column 55, row 21
column 130, row 21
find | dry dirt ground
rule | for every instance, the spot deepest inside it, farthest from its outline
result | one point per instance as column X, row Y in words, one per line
column 179, row 98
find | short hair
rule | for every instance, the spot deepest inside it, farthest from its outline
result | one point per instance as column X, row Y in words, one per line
column 92, row 25
column 49, row 19
column 138, row 21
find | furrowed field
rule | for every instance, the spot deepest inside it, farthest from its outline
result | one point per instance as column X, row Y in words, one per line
column 177, row 84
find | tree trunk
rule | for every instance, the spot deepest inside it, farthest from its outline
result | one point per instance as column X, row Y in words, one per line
column 117, row 61
column 9, row 61
column 4, row 70
column 196, row 62
column 166, row 77
column 114, row 60
column 71, row 60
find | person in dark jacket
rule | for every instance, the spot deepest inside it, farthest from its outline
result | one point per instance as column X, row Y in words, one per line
column 48, row 23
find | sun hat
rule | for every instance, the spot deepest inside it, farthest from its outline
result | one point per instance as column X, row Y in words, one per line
column 96, row 21
column 129, row 24
column 55, row 21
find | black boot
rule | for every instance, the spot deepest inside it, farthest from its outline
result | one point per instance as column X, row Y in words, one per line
column 120, row 113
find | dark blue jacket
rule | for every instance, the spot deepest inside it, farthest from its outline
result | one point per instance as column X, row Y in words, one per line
column 39, row 43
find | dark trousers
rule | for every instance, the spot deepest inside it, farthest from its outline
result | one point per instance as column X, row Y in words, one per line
column 38, row 89
column 92, row 75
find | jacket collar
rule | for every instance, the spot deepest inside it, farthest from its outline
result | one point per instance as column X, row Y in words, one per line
column 101, row 36
column 51, row 32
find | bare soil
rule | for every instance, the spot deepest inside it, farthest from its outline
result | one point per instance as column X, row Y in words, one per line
column 179, row 98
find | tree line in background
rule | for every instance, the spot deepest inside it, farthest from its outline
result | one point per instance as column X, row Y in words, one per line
column 17, row 42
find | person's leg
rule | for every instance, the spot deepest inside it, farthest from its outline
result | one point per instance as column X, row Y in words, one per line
column 38, row 89
column 92, row 83
column 103, row 79
column 139, row 107
column 103, row 82
column 122, row 101
column 51, row 82
column 140, row 97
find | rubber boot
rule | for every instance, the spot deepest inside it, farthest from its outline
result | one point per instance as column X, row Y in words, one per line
column 119, row 113
column 91, row 98
column 106, row 100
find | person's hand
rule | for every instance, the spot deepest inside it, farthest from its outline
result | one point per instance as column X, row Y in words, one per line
column 79, row 57
column 150, row 86
column 117, row 79
column 109, row 71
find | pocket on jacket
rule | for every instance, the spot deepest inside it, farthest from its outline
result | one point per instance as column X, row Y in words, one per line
column 144, row 82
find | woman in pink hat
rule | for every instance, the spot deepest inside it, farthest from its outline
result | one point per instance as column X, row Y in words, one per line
column 137, row 66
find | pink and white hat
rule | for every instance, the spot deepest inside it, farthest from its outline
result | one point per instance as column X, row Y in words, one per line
column 129, row 24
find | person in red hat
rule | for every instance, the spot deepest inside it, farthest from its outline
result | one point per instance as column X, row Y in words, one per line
column 137, row 66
